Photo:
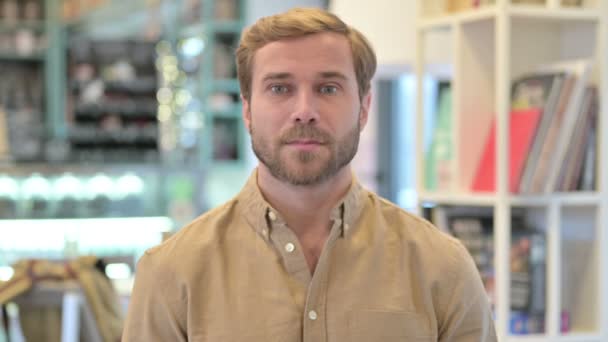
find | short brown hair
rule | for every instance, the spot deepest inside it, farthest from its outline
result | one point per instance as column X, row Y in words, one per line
column 298, row 22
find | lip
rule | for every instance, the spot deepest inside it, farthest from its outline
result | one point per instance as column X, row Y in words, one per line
column 305, row 145
column 304, row 142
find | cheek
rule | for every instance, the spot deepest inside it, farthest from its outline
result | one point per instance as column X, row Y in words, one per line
column 267, row 119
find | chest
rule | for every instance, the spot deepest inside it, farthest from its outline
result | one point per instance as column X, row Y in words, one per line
column 357, row 293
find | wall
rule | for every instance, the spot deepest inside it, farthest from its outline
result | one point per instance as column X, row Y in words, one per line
column 388, row 24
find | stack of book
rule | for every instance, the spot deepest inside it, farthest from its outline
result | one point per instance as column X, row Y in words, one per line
column 474, row 227
column 552, row 133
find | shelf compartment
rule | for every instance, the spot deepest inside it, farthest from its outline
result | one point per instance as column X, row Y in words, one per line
column 529, row 255
column 580, row 270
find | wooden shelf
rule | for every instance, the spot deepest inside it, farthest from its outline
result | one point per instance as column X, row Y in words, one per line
column 561, row 198
column 490, row 199
column 14, row 57
column 564, row 338
column 539, row 12
column 580, row 337
column 458, row 199
column 528, row 338
column 448, row 21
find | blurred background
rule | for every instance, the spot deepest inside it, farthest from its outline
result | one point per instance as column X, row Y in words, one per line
column 120, row 122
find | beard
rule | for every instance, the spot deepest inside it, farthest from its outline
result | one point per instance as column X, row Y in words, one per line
column 305, row 168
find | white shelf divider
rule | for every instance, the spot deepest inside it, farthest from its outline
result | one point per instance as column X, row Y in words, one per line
column 554, row 258
column 602, row 170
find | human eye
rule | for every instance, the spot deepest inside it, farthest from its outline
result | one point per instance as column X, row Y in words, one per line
column 279, row 89
column 328, row 89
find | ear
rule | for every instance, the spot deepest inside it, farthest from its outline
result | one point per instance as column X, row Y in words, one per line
column 365, row 105
column 246, row 112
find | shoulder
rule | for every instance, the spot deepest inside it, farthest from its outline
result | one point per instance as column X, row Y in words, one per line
column 418, row 233
column 447, row 265
column 192, row 243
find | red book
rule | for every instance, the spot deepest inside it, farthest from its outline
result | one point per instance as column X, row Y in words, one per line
column 523, row 124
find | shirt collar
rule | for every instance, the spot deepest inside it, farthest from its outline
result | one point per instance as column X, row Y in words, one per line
column 259, row 213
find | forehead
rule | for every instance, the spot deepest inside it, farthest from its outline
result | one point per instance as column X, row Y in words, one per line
column 311, row 54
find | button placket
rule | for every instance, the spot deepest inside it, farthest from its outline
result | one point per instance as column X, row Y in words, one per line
column 315, row 325
column 286, row 244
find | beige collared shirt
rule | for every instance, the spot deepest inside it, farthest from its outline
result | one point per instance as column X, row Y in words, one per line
column 238, row 274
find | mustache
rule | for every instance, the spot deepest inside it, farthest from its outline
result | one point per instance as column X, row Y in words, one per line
column 306, row 132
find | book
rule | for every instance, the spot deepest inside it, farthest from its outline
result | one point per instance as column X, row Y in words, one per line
column 557, row 150
column 522, row 128
column 534, row 90
column 549, row 109
column 572, row 165
column 588, row 180
column 439, row 156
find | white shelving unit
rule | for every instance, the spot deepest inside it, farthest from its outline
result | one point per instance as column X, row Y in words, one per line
column 485, row 49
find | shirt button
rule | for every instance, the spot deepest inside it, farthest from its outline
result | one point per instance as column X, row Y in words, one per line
column 290, row 247
column 272, row 216
column 312, row 315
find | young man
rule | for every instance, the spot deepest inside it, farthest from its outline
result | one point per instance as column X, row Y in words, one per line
column 304, row 253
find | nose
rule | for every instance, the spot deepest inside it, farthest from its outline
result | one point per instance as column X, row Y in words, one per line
column 305, row 109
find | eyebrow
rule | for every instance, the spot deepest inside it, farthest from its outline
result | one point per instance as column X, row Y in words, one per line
column 277, row 76
column 334, row 74
column 273, row 76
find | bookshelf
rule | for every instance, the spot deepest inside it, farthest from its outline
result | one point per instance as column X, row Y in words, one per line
column 482, row 50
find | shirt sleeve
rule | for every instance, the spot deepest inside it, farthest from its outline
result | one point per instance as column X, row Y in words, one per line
column 467, row 316
column 155, row 309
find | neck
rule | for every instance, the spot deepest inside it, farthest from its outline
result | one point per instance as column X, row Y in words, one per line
column 305, row 208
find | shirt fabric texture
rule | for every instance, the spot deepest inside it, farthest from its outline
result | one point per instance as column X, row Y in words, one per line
column 237, row 273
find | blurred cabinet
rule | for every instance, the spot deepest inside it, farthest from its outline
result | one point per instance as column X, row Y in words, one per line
column 204, row 46
column 31, row 95
column 112, row 139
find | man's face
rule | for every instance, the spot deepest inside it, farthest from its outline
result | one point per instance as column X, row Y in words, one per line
column 305, row 114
